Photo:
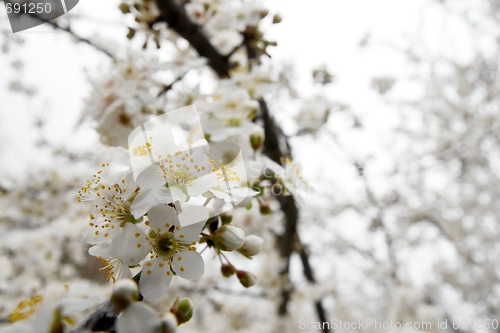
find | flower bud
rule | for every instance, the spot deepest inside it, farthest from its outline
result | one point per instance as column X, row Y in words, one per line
column 246, row 279
column 169, row 323
column 252, row 246
column 124, row 8
column 226, row 218
column 182, row 309
column 256, row 141
column 265, row 209
column 131, row 33
column 277, row 18
column 227, row 270
column 228, row 238
column 125, row 292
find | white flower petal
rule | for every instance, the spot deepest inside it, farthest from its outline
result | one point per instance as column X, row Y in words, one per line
column 151, row 177
column 161, row 218
column 19, row 327
column 193, row 215
column 191, row 265
column 177, row 194
column 138, row 317
column 190, row 233
column 148, row 198
column 118, row 160
column 131, row 245
column 73, row 304
column 241, row 193
column 155, row 279
column 103, row 250
column 222, row 195
column 202, row 184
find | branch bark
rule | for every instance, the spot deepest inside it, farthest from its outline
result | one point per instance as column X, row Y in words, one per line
column 175, row 16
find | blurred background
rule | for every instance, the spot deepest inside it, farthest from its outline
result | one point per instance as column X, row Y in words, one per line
column 391, row 110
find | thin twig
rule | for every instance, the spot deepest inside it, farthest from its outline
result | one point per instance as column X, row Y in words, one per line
column 67, row 29
column 173, row 13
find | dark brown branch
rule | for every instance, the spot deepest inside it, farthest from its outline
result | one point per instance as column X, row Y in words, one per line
column 309, row 274
column 248, row 41
column 272, row 149
column 174, row 15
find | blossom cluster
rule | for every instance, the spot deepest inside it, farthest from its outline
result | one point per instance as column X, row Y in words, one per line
column 153, row 200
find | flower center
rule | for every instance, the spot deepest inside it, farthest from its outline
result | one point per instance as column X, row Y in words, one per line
column 231, row 105
column 180, row 177
column 166, row 245
column 234, row 122
column 126, row 216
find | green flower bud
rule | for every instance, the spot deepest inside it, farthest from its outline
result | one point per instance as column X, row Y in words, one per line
column 227, row 270
column 246, row 279
column 124, row 8
column 182, row 309
column 226, row 218
column 131, row 33
column 228, row 238
column 256, row 141
column 265, row 209
column 125, row 292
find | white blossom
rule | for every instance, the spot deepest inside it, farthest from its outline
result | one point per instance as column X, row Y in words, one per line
column 173, row 248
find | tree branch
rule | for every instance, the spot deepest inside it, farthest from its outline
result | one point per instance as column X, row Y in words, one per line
column 67, row 29
column 174, row 15
column 80, row 39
